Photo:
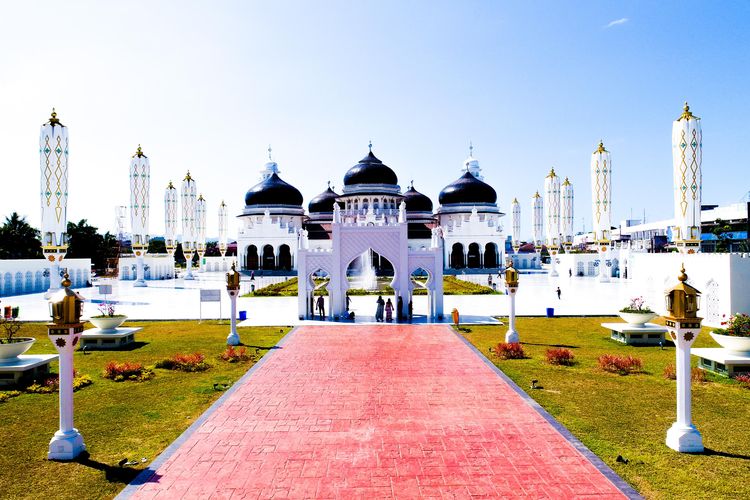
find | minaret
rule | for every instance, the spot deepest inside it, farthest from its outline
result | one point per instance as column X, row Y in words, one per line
column 537, row 220
column 601, row 197
column 516, row 213
column 140, row 184
column 223, row 228
column 566, row 215
column 270, row 168
column 552, row 217
column 200, row 229
column 53, row 161
column 170, row 220
column 472, row 165
column 687, row 157
column 188, row 196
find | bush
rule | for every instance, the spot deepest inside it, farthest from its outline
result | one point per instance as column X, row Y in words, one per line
column 126, row 371
column 236, row 355
column 696, row 374
column 620, row 364
column 52, row 384
column 560, row 356
column 5, row 396
column 510, row 350
column 743, row 379
column 195, row 362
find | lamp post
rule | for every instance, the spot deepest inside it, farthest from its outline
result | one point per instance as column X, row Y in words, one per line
column 684, row 325
column 687, row 159
column 601, row 197
column 552, row 217
column 233, row 289
column 140, row 185
column 170, row 222
column 511, row 283
column 516, row 221
column 64, row 331
column 188, row 195
column 223, row 228
column 200, row 230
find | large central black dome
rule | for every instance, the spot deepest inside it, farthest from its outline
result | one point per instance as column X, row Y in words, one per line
column 273, row 191
column 370, row 170
column 467, row 189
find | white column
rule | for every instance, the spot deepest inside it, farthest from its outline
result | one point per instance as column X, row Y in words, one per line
column 139, row 272
column 683, row 435
column 233, row 338
column 67, row 443
column 687, row 159
column 511, row 335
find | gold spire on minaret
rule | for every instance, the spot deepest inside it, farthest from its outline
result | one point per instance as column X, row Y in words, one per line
column 223, row 204
column 139, row 152
column 187, row 177
column 200, row 197
column 601, row 148
column 53, row 118
column 536, row 195
column 687, row 114
column 170, row 185
column 566, row 182
column 552, row 173
column 515, row 200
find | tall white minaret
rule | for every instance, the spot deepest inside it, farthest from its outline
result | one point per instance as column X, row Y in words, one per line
column 687, row 158
column 140, row 185
column 516, row 214
column 601, row 197
column 188, row 196
column 566, row 214
column 537, row 220
column 53, row 161
column 170, row 218
column 223, row 228
column 552, row 217
column 200, row 229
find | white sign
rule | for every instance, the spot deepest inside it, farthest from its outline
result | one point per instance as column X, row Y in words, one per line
column 210, row 295
column 105, row 289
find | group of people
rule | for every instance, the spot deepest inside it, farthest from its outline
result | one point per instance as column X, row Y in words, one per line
column 383, row 311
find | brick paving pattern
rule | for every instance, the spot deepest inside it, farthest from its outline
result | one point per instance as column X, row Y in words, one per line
column 376, row 412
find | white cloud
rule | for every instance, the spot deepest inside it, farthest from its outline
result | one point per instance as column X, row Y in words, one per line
column 622, row 20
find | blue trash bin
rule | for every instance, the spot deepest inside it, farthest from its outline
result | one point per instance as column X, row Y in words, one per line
column 550, row 312
column 243, row 315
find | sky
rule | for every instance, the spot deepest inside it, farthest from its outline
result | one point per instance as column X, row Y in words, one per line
column 207, row 86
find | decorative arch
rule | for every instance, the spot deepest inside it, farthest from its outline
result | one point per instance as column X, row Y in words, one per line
column 473, row 256
column 252, row 260
column 490, row 255
column 268, row 258
column 457, row 256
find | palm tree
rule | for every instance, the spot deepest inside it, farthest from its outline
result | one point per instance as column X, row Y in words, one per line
column 18, row 240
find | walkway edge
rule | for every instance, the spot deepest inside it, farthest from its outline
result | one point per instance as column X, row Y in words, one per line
column 597, row 462
column 149, row 471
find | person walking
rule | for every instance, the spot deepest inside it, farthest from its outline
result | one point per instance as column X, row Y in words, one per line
column 389, row 311
column 379, row 311
column 558, row 293
column 321, row 305
column 348, row 302
column 400, row 308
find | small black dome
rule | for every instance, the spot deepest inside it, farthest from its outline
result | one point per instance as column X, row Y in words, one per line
column 416, row 201
column 273, row 191
column 323, row 203
column 370, row 170
column 467, row 189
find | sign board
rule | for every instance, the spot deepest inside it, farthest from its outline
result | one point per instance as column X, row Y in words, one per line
column 210, row 295
column 105, row 289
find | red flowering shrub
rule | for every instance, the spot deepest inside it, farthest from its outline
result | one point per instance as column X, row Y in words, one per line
column 560, row 356
column 696, row 374
column 510, row 350
column 195, row 362
column 51, row 383
column 619, row 364
column 126, row 371
column 743, row 379
column 236, row 355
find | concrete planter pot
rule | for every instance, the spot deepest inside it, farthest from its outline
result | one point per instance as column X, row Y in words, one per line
column 18, row 346
column 637, row 319
column 740, row 345
column 108, row 324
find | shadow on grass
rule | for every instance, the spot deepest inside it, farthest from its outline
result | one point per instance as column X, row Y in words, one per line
column 112, row 473
column 716, row 453
column 128, row 347
column 552, row 345
column 261, row 347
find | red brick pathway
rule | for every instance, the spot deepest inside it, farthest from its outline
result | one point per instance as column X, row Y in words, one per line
column 375, row 412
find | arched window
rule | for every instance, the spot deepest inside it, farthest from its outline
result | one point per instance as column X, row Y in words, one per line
column 490, row 255
column 457, row 256
column 473, row 260
column 251, row 258
column 285, row 258
column 269, row 258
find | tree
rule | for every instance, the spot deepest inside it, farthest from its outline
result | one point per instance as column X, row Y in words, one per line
column 212, row 249
column 719, row 230
column 157, row 245
column 85, row 242
column 18, row 240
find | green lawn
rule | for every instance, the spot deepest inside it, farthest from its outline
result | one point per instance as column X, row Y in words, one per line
column 117, row 419
column 629, row 415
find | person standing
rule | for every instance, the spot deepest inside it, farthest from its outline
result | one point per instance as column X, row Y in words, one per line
column 379, row 311
column 558, row 293
column 348, row 302
column 400, row 308
column 321, row 305
column 389, row 311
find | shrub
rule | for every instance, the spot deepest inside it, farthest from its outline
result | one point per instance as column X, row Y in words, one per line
column 620, row 364
column 5, row 396
column 738, row 325
column 51, row 384
column 510, row 350
column 696, row 374
column 236, row 355
column 560, row 356
column 126, row 371
column 195, row 362
column 743, row 379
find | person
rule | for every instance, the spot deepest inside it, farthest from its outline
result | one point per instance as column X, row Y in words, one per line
column 558, row 293
column 489, row 280
column 379, row 311
column 321, row 305
column 252, row 275
column 411, row 311
column 399, row 311
column 389, row 311
column 570, row 273
column 348, row 301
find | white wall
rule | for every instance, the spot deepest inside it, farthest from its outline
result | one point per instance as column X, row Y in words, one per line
column 22, row 276
column 160, row 266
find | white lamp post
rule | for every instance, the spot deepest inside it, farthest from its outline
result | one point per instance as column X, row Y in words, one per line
column 552, row 217
column 233, row 289
column 516, row 221
column 223, row 228
column 200, row 230
column 511, row 283
column 188, row 223
column 566, row 215
column 687, row 158
column 601, row 197
column 170, row 221
column 140, row 185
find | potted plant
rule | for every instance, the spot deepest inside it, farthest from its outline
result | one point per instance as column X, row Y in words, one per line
column 734, row 334
column 637, row 313
column 10, row 346
column 107, row 321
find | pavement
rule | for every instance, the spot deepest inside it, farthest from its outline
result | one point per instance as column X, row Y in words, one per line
column 387, row 411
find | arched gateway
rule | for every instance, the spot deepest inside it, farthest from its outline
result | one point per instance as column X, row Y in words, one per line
column 352, row 234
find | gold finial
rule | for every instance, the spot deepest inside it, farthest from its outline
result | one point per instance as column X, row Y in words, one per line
column 170, row 185
column 187, row 177
column 552, row 173
column 566, row 182
column 53, row 118
column 200, row 197
column 601, row 148
column 682, row 276
column 515, row 200
column 536, row 195
column 139, row 152
column 66, row 280
column 223, row 204
column 687, row 114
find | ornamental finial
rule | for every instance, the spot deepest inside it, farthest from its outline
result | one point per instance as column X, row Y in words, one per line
column 139, row 152
column 552, row 173
column 687, row 114
column 536, row 195
column 566, row 182
column 471, row 149
column 223, row 204
column 370, row 145
column 515, row 201
column 66, row 280
column 170, row 185
column 187, row 177
column 200, row 197
column 269, row 153
column 682, row 276
column 53, row 118
column 601, row 148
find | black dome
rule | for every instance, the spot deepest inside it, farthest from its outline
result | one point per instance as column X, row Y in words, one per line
column 370, row 170
column 273, row 191
column 323, row 203
column 416, row 201
column 467, row 189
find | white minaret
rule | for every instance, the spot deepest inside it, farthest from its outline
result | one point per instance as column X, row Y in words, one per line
column 200, row 229
column 188, row 196
column 537, row 220
column 601, row 197
column 687, row 157
column 53, row 161
column 170, row 218
column 566, row 214
column 471, row 164
column 140, row 185
column 516, row 214
column 223, row 228
column 552, row 217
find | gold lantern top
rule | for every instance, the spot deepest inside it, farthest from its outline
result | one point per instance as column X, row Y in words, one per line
column 683, row 300
column 511, row 275
column 66, row 306
column 233, row 279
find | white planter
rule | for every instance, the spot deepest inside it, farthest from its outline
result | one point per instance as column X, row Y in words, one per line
column 11, row 351
column 637, row 319
column 108, row 324
column 739, row 345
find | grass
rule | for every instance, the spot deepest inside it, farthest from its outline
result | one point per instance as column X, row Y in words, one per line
column 629, row 415
column 117, row 419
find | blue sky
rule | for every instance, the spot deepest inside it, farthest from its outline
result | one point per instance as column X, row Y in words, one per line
column 206, row 86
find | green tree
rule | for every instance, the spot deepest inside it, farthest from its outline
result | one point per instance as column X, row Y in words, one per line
column 719, row 230
column 157, row 245
column 85, row 242
column 212, row 249
column 18, row 240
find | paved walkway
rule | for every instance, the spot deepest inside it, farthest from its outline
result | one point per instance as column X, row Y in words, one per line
column 390, row 411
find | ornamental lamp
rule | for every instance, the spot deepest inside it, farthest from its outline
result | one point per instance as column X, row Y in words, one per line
column 511, row 276
column 233, row 279
column 683, row 300
column 66, row 306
